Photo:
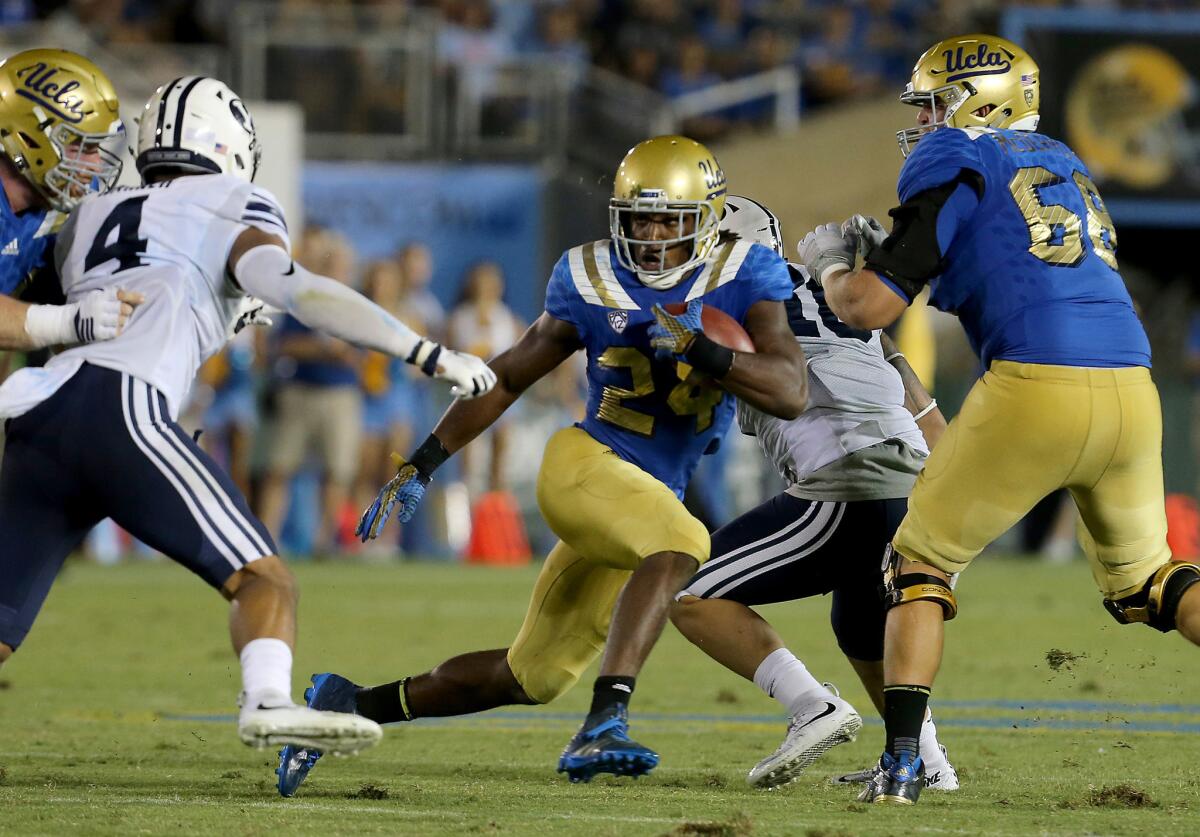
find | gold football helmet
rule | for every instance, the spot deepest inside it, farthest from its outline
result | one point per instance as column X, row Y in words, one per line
column 59, row 124
column 667, row 175
column 1125, row 116
column 967, row 74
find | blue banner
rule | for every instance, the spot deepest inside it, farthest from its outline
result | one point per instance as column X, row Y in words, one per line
column 464, row 214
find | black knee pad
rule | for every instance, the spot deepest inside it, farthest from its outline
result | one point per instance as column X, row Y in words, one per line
column 1156, row 603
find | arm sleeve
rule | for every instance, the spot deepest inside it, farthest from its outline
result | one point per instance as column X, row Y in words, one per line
column 923, row 228
column 327, row 305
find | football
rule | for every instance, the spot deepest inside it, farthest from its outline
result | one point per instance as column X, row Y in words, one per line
column 719, row 327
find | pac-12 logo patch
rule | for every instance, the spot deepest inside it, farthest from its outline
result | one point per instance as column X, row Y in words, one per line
column 618, row 320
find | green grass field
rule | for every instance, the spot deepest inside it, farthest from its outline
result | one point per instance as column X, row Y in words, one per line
column 117, row 719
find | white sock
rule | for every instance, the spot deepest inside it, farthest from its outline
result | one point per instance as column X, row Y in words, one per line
column 931, row 752
column 266, row 673
column 785, row 678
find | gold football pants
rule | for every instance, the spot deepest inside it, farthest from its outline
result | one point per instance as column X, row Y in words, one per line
column 1028, row 429
column 610, row 515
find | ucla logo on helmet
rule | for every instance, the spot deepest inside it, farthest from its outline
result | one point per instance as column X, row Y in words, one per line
column 714, row 178
column 42, row 87
column 618, row 320
column 966, row 63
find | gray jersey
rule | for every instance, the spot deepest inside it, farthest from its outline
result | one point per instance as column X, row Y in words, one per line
column 170, row 242
column 855, row 425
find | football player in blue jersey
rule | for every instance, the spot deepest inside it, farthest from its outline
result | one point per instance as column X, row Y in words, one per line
column 610, row 486
column 59, row 132
column 1007, row 229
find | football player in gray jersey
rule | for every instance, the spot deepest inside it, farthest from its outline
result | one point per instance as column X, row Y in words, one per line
column 849, row 461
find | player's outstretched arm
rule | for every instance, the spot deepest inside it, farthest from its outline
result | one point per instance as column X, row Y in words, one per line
column 917, row 399
column 98, row 315
column 774, row 378
column 262, row 267
column 860, row 299
column 543, row 346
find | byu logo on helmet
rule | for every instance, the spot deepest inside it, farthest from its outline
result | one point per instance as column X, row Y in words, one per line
column 197, row 124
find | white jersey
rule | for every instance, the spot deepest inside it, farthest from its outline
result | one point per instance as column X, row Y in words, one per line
column 170, row 242
column 856, row 398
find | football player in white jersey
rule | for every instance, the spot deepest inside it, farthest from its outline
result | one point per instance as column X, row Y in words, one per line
column 849, row 460
column 93, row 434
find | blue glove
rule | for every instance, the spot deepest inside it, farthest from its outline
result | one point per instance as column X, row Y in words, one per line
column 673, row 334
column 406, row 488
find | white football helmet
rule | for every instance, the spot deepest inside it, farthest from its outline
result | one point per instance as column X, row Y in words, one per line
column 198, row 125
column 752, row 221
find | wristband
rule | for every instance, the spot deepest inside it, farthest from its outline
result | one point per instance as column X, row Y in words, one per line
column 926, row 410
column 425, row 356
column 893, row 356
column 429, row 455
column 709, row 357
column 51, row 325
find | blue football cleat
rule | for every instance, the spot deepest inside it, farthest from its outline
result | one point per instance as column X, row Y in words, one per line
column 895, row 782
column 328, row 691
column 602, row 745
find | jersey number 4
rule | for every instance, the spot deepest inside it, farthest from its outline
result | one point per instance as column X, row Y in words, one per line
column 1055, row 232
column 685, row 399
column 125, row 218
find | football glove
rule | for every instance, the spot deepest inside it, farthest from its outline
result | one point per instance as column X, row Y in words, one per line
column 406, row 488
column 98, row 315
column 251, row 311
column 869, row 231
column 827, row 249
column 672, row 335
column 470, row 375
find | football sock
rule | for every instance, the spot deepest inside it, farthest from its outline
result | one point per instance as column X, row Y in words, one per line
column 266, row 673
column 785, row 678
column 903, row 713
column 609, row 691
column 385, row 704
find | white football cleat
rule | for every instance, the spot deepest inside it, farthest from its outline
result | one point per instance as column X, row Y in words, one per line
column 940, row 774
column 823, row 724
column 339, row 733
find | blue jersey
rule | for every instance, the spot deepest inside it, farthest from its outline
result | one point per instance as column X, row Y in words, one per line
column 1029, row 266
column 24, row 239
column 636, row 404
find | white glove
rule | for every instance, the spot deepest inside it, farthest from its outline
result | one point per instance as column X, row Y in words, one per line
column 470, row 375
column 98, row 315
column 251, row 311
column 827, row 249
column 869, row 231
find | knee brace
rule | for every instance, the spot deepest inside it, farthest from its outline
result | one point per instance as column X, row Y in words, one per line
column 900, row 588
column 1155, row 604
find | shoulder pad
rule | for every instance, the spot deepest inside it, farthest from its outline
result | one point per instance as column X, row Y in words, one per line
column 937, row 159
column 723, row 267
column 591, row 270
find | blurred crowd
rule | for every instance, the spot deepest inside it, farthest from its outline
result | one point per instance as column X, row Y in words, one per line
column 306, row 423
column 844, row 49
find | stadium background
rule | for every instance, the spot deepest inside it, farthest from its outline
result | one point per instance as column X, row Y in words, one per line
column 440, row 155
